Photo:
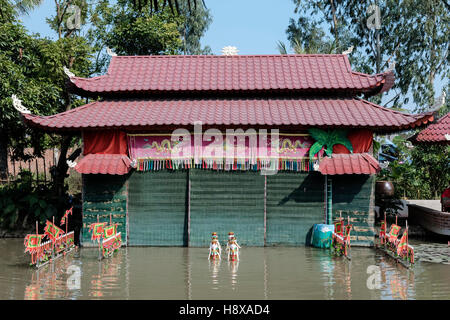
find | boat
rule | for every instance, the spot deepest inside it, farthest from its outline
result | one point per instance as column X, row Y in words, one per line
column 340, row 239
column 398, row 249
column 432, row 220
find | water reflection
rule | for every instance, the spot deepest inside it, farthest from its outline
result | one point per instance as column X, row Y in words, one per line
column 49, row 282
column 397, row 282
column 214, row 268
column 233, row 267
column 185, row 273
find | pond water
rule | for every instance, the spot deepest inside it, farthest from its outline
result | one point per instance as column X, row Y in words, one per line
column 185, row 273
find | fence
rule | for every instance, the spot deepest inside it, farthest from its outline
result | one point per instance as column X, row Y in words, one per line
column 39, row 167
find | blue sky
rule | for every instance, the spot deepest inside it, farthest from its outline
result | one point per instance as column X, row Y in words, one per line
column 254, row 29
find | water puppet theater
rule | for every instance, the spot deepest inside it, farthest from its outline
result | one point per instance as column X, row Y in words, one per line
column 323, row 162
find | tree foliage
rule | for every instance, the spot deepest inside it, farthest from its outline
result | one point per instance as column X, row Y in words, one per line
column 146, row 31
column 414, row 34
column 421, row 171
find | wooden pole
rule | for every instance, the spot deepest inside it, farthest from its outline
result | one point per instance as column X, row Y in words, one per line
column 37, row 171
column 407, row 241
column 53, row 243
column 265, row 209
column 37, row 251
column 45, row 171
column 67, row 225
column 99, row 247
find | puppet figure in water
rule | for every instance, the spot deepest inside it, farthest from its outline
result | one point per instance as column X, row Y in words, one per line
column 214, row 248
column 232, row 248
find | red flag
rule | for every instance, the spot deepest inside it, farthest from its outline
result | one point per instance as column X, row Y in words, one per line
column 32, row 242
column 402, row 246
column 52, row 231
column 97, row 230
column 63, row 220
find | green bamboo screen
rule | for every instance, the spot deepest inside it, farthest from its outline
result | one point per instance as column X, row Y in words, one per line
column 157, row 208
column 104, row 195
column 181, row 208
column 226, row 201
column 351, row 196
column 295, row 202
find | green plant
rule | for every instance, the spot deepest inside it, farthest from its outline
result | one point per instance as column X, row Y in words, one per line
column 22, row 202
column 328, row 139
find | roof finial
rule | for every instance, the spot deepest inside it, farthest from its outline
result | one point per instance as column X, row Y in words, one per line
column 68, row 73
column 348, row 51
column 110, row 52
column 229, row 51
column 17, row 103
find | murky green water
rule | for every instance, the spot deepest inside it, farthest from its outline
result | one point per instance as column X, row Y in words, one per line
column 186, row 273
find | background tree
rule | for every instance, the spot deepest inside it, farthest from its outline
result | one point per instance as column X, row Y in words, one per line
column 73, row 51
column 195, row 23
column 23, row 75
column 413, row 33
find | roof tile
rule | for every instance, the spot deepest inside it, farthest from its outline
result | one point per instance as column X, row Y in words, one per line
column 104, row 164
column 240, row 72
column 356, row 163
column 436, row 132
column 331, row 112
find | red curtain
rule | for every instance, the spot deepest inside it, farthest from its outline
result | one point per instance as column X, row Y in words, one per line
column 361, row 141
column 105, row 142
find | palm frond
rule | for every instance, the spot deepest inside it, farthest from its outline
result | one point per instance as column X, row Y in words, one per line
column 316, row 147
column 282, row 47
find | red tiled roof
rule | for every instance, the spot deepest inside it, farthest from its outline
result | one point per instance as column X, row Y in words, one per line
column 436, row 132
column 356, row 163
column 141, row 113
column 104, row 164
column 232, row 73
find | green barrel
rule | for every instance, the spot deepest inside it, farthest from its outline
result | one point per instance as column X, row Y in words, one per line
column 321, row 235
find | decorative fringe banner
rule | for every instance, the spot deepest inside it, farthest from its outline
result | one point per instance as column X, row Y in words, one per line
column 304, row 165
column 235, row 151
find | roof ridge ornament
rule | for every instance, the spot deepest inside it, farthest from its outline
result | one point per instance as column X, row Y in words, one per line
column 68, row 73
column 230, row 51
column 348, row 51
column 17, row 103
column 110, row 52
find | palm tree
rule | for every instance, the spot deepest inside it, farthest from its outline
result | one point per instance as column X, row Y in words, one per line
column 11, row 9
